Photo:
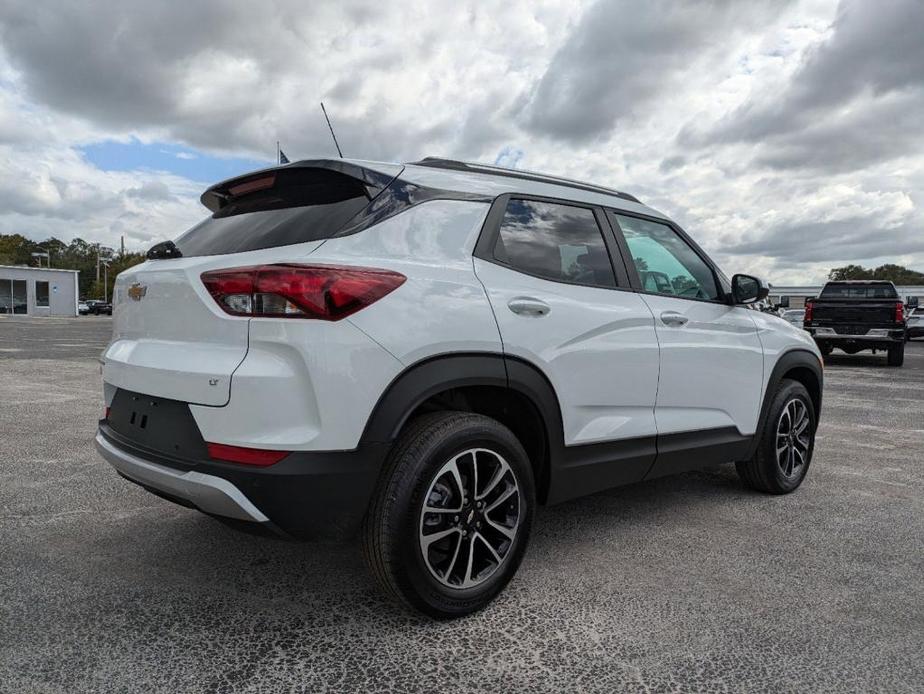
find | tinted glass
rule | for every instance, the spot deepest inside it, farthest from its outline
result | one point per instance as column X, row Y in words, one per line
column 862, row 291
column 41, row 293
column 555, row 241
column 301, row 205
column 666, row 263
column 20, row 303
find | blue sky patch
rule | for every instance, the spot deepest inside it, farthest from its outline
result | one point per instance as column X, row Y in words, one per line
column 135, row 155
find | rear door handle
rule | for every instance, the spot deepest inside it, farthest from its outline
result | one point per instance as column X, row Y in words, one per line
column 674, row 319
column 527, row 306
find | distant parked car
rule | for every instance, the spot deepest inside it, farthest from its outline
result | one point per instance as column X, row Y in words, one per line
column 82, row 308
column 915, row 324
column 794, row 316
column 99, row 308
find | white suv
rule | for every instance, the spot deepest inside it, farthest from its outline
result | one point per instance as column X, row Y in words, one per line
column 420, row 354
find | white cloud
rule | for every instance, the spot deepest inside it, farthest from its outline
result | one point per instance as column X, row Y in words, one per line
column 664, row 103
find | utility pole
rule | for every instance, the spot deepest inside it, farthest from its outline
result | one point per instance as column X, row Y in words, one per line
column 97, row 262
column 122, row 254
column 105, row 265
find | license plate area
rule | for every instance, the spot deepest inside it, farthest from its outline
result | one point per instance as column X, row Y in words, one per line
column 157, row 424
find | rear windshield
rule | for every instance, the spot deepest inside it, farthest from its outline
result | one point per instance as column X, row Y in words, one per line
column 282, row 208
column 859, row 291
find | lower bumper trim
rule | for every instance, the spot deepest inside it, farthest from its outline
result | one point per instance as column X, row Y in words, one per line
column 835, row 337
column 206, row 492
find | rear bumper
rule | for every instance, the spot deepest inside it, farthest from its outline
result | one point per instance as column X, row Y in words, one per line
column 875, row 337
column 308, row 495
column 208, row 493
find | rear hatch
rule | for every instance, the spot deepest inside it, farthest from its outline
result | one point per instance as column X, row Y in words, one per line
column 851, row 318
column 170, row 338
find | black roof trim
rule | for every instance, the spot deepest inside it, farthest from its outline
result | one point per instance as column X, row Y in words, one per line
column 452, row 164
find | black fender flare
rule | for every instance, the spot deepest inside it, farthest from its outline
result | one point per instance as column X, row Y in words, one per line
column 797, row 358
column 433, row 375
column 436, row 374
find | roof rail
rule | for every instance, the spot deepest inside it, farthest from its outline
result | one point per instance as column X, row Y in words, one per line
column 474, row 167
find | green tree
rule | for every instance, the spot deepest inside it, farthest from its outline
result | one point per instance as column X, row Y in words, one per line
column 850, row 272
column 81, row 255
column 893, row 273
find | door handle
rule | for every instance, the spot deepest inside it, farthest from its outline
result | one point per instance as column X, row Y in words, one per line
column 526, row 306
column 674, row 319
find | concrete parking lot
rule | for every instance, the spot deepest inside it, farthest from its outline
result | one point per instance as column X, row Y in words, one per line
column 689, row 583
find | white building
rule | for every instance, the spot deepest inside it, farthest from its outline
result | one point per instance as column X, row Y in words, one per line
column 797, row 295
column 37, row 291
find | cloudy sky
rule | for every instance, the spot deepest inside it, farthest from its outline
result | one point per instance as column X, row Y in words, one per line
column 785, row 136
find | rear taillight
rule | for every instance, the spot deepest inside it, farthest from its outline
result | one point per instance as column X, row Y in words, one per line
column 248, row 456
column 323, row 292
column 899, row 312
column 808, row 313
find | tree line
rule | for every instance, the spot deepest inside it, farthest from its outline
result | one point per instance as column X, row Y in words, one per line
column 894, row 273
column 16, row 249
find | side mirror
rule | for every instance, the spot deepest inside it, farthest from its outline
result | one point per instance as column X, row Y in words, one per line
column 748, row 290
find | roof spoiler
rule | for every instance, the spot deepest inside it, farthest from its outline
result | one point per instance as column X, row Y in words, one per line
column 373, row 174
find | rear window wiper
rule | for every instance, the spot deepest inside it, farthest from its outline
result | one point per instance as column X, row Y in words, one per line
column 163, row 251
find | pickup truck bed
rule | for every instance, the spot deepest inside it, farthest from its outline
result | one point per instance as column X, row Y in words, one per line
column 855, row 316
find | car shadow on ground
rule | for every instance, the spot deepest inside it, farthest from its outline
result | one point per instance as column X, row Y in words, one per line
column 200, row 560
column 878, row 360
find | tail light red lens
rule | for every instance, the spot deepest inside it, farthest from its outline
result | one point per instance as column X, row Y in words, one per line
column 323, row 292
column 899, row 312
column 808, row 313
column 248, row 456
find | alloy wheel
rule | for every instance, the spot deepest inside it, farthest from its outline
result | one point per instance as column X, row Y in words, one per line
column 470, row 518
column 793, row 438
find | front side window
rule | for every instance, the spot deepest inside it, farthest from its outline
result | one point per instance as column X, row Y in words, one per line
column 41, row 293
column 666, row 264
column 554, row 241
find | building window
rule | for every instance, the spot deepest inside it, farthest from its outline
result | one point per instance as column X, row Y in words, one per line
column 41, row 293
column 13, row 296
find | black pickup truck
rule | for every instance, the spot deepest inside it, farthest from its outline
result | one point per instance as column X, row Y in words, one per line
column 857, row 315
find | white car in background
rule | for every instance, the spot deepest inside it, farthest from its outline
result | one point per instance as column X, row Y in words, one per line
column 915, row 323
column 420, row 354
column 794, row 316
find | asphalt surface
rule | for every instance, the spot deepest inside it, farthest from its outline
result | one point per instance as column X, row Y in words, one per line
column 689, row 583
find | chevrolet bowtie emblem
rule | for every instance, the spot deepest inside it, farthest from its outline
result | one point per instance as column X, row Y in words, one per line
column 137, row 290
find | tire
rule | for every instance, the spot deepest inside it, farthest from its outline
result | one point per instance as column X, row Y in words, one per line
column 766, row 472
column 826, row 350
column 419, row 469
column 897, row 354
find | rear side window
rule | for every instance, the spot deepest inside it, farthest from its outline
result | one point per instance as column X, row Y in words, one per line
column 554, row 241
column 665, row 262
column 867, row 291
column 280, row 209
